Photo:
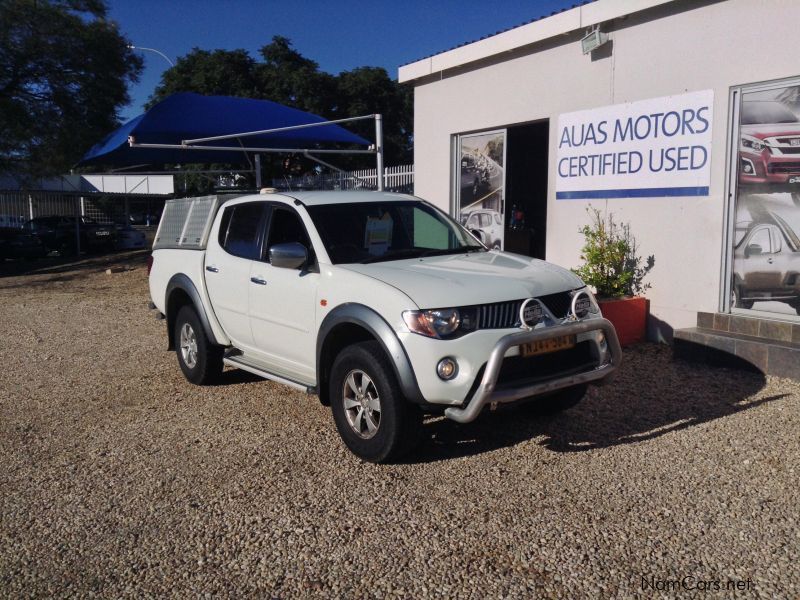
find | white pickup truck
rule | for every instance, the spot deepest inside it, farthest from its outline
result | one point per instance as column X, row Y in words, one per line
column 379, row 303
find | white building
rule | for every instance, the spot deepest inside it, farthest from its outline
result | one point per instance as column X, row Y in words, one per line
column 491, row 118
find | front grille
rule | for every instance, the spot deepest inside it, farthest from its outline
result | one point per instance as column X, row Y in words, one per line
column 505, row 315
column 500, row 315
column 558, row 304
column 784, row 167
column 518, row 371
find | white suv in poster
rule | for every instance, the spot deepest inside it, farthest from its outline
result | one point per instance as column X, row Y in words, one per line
column 486, row 225
column 766, row 253
column 481, row 194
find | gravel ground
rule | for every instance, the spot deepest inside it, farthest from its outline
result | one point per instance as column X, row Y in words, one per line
column 120, row 479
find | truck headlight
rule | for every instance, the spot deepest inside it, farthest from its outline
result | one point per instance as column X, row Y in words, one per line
column 433, row 323
column 752, row 144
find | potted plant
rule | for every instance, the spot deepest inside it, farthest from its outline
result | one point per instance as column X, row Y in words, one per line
column 616, row 272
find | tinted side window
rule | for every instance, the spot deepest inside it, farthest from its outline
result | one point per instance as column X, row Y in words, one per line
column 287, row 227
column 761, row 239
column 243, row 233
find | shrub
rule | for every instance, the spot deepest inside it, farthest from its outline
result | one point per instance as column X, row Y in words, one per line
column 611, row 264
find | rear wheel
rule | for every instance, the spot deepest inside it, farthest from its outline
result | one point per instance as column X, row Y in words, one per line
column 373, row 418
column 199, row 359
column 557, row 402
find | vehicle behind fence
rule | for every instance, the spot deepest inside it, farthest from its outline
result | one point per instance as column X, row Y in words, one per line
column 90, row 218
column 396, row 179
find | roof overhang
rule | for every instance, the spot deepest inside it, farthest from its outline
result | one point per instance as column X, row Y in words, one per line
column 575, row 19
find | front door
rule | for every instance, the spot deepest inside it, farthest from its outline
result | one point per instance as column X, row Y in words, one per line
column 282, row 304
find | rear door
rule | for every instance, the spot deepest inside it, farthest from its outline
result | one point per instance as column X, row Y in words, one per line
column 229, row 256
column 282, row 303
column 761, row 275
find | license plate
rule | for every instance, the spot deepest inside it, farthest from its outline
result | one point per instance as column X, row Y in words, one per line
column 555, row 344
column 101, row 232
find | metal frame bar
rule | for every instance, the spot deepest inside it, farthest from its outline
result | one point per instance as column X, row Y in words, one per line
column 134, row 144
column 230, row 136
column 192, row 144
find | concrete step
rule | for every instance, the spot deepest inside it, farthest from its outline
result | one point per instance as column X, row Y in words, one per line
column 738, row 350
column 770, row 329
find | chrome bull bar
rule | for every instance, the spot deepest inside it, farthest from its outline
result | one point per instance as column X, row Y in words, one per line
column 486, row 393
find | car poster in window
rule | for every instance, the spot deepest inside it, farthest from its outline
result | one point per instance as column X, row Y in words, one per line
column 766, row 253
column 481, row 194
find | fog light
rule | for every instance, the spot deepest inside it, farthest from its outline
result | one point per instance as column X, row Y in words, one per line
column 447, row 368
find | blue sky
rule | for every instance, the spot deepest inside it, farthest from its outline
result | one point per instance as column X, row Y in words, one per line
column 339, row 35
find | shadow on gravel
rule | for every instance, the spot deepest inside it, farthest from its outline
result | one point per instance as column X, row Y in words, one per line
column 70, row 266
column 236, row 376
column 651, row 396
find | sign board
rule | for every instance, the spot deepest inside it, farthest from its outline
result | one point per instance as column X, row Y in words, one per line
column 651, row 148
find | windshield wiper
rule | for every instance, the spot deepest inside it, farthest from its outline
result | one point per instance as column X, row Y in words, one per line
column 461, row 250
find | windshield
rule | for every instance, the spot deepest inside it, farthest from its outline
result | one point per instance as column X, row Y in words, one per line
column 754, row 113
column 365, row 232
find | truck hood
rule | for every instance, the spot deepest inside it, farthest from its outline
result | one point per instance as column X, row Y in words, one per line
column 467, row 279
column 765, row 130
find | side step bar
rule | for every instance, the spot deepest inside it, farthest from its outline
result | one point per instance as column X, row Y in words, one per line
column 238, row 363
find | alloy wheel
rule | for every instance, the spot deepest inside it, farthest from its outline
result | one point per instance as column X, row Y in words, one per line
column 188, row 346
column 362, row 404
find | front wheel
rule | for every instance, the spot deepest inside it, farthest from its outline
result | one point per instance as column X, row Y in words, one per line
column 199, row 359
column 373, row 418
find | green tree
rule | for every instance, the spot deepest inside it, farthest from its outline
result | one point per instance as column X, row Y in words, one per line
column 368, row 90
column 64, row 72
column 287, row 77
column 215, row 73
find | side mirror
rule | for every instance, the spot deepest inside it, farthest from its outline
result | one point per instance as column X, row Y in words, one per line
column 292, row 255
column 476, row 234
column 753, row 250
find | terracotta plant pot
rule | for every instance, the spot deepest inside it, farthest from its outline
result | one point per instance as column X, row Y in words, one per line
column 629, row 317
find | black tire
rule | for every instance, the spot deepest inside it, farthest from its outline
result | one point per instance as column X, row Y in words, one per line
column 398, row 423
column 204, row 365
column 558, row 402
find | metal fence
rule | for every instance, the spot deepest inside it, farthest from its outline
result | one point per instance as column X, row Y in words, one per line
column 18, row 207
column 399, row 178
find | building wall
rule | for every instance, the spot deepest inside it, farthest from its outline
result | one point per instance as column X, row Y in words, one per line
column 671, row 49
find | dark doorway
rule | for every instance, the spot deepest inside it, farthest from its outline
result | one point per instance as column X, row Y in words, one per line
column 526, row 189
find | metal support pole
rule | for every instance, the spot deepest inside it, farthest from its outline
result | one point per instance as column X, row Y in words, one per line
column 30, row 206
column 78, row 211
column 379, row 150
column 258, row 171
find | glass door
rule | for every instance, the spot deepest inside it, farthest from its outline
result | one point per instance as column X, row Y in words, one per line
column 762, row 269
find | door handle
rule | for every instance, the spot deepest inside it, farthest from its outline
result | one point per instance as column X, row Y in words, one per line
column 212, row 269
column 769, row 260
column 258, row 280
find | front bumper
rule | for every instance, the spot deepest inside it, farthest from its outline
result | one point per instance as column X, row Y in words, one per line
column 766, row 169
column 487, row 392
